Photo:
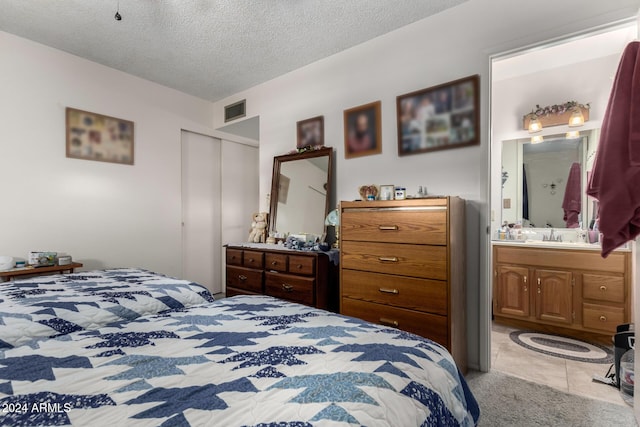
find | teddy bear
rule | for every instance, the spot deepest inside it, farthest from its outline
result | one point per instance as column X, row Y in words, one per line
column 258, row 228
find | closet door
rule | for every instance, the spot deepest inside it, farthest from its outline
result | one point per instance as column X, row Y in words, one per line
column 201, row 210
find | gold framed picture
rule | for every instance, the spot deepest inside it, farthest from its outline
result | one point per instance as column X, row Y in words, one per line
column 92, row 136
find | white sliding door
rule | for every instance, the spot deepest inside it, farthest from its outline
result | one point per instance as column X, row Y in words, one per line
column 201, row 210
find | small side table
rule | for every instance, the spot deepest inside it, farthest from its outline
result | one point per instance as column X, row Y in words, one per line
column 37, row 271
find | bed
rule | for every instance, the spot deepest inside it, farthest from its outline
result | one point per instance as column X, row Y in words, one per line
column 48, row 306
column 240, row 361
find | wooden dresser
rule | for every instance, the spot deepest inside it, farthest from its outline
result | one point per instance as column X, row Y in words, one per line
column 561, row 290
column 403, row 265
column 308, row 278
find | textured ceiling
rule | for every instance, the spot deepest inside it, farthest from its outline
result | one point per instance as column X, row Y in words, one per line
column 209, row 48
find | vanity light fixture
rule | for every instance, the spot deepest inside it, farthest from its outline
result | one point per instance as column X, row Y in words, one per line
column 534, row 124
column 576, row 119
column 537, row 139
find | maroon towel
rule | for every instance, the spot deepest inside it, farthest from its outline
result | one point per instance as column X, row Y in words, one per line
column 572, row 202
column 615, row 179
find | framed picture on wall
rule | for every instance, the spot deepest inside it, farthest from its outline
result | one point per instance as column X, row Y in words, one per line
column 92, row 136
column 310, row 132
column 440, row 117
column 362, row 130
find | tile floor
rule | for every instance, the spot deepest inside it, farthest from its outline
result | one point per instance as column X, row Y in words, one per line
column 566, row 375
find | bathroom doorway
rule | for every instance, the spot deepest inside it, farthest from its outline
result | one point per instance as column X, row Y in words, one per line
column 578, row 69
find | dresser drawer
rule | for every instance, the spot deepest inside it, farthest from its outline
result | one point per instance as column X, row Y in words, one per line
column 423, row 261
column 299, row 264
column 602, row 317
column 275, row 262
column 415, row 294
column 253, row 259
column 292, row 288
column 420, row 225
column 234, row 257
column 244, row 278
column 427, row 325
column 603, row 287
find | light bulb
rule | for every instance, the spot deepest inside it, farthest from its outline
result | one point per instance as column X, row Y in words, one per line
column 576, row 119
column 534, row 124
column 537, row 139
column 573, row 134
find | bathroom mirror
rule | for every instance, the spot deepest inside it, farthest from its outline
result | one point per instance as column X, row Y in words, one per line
column 300, row 192
column 534, row 179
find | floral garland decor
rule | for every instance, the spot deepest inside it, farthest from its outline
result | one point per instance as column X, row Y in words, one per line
column 556, row 109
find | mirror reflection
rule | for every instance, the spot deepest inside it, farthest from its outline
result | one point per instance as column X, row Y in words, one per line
column 544, row 184
column 300, row 193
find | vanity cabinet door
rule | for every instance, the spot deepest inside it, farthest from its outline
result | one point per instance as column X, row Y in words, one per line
column 554, row 296
column 512, row 290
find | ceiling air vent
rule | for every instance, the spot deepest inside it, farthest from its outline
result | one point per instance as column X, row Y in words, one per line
column 235, row 110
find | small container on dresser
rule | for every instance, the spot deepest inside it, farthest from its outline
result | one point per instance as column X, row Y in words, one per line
column 402, row 265
column 308, row 278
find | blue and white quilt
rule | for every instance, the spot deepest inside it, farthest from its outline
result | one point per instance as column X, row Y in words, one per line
column 47, row 306
column 241, row 361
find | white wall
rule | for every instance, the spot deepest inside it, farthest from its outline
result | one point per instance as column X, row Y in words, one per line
column 450, row 45
column 103, row 214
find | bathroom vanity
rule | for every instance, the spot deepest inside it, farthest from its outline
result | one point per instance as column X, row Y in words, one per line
column 565, row 288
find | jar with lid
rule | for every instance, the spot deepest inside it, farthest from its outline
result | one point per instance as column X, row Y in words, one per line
column 627, row 376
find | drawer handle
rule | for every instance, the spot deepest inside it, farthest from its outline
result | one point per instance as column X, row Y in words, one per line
column 233, row 257
column 242, row 277
column 603, row 288
column 299, row 266
column 251, row 260
column 388, row 227
column 389, row 291
column 603, row 318
column 388, row 259
column 389, row 322
column 274, row 262
column 287, row 287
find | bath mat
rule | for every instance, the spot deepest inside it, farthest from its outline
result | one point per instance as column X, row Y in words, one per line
column 563, row 347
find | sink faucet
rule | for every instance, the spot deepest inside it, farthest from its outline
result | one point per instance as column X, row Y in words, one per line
column 552, row 237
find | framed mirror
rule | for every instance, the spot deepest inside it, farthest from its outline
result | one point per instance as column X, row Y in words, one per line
column 535, row 176
column 300, row 192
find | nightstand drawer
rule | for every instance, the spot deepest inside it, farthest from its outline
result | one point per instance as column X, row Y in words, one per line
column 292, row 288
column 234, row 257
column 603, row 287
column 429, row 262
column 244, row 278
column 425, row 225
column 426, row 325
column 415, row 294
column 602, row 317
column 275, row 262
column 253, row 259
column 302, row 265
